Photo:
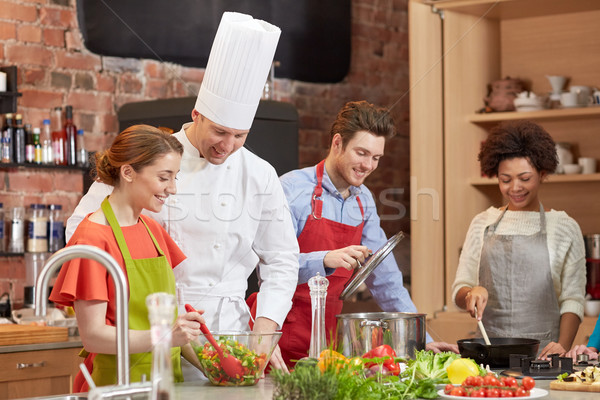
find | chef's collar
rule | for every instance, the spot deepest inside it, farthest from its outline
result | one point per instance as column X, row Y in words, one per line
column 330, row 187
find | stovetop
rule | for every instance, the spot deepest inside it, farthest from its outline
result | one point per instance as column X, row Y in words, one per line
column 521, row 366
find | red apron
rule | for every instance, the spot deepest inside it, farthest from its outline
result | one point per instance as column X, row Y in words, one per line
column 318, row 234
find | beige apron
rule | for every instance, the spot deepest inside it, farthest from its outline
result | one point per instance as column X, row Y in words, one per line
column 515, row 270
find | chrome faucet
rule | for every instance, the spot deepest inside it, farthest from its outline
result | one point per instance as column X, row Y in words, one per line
column 118, row 276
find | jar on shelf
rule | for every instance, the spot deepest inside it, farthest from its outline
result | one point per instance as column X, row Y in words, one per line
column 37, row 238
column 56, row 228
column 15, row 222
column 2, row 236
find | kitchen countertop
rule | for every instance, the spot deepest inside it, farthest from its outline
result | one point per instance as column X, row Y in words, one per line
column 73, row 341
column 264, row 390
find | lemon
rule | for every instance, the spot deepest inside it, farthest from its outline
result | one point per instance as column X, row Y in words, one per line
column 460, row 369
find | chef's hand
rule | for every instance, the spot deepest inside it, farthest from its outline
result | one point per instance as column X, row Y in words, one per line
column 187, row 327
column 262, row 324
column 552, row 348
column 438, row 347
column 346, row 257
column 592, row 352
column 475, row 297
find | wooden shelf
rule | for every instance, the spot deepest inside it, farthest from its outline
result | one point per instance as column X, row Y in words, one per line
column 561, row 178
column 512, row 9
column 541, row 115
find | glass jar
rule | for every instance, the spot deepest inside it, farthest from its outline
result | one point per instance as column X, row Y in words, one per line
column 56, row 228
column 16, row 230
column 161, row 312
column 37, row 219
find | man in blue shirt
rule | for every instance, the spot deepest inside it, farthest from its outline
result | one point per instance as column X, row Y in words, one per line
column 337, row 224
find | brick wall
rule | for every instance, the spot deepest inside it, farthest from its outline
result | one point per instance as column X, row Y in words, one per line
column 43, row 40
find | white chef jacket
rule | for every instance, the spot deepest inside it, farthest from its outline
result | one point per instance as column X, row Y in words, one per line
column 228, row 219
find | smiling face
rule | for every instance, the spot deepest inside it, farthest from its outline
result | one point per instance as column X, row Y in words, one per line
column 519, row 183
column 351, row 165
column 152, row 184
column 214, row 142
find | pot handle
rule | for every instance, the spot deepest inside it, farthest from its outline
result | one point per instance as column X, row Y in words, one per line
column 379, row 324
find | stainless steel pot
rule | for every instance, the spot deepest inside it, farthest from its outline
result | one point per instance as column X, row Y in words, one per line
column 358, row 333
column 592, row 246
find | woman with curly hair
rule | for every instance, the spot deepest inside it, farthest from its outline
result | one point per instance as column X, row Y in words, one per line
column 522, row 266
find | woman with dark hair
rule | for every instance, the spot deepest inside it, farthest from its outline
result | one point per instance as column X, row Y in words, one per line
column 521, row 266
column 142, row 165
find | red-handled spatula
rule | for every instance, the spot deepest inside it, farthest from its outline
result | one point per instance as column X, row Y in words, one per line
column 231, row 365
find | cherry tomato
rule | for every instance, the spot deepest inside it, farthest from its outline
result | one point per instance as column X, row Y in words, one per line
column 510, row 382
column 458, row 391
column 528, row 383
column 469, row 381
column 448, row 388
column 521, row 392
column 506, row 393
column 479, row 392
column 478, row 380
column 490, row 380
column 492, row 392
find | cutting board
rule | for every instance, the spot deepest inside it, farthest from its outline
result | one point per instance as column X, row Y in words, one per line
column 12, row 334
column 575, row 386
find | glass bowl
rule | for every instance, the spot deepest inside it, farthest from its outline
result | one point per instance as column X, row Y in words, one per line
column 253, row 349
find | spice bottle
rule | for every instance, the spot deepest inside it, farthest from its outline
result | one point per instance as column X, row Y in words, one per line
column 82, row 155
column 19, row 142
column 56, row 228
column 161, row 313
column 29, row 148
column 7, row 139
column 2, row 237
column 37, row 238
column 59, row 137
column 37, row 147
column 16, row 230
column 71, row 134
column 46, row 142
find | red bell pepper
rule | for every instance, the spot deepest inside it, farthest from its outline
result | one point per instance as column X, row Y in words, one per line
column 386, row 352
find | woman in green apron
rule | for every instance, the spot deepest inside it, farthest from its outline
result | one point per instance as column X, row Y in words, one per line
column 523, row 266
column 142, row 165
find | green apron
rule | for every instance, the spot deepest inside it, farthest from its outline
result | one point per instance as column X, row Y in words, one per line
column 145, row 276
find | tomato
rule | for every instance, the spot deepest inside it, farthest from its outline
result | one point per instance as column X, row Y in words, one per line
column 469, row 381
column 528, row 383
column 492, row 392
column 478, row 380
column 458, row 391
column 479, row 392
column 521, row 392
column 448, row 388
column 491, row 380
column 506, row 393
column 510, row 382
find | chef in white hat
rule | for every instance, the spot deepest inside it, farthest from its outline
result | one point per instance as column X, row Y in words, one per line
column 229, row 215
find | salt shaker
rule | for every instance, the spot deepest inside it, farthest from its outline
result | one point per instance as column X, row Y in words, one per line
column 161, row 312
column 318, row 295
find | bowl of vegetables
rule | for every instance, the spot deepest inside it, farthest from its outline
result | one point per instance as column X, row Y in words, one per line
column 252, row 349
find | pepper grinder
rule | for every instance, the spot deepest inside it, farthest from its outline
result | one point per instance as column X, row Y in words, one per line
column 161, row 312
column 318, row 295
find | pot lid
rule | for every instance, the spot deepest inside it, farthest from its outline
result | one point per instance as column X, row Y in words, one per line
column 360, row 274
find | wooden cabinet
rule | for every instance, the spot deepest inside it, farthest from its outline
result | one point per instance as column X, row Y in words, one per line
column 38, row 373
column 452, row 60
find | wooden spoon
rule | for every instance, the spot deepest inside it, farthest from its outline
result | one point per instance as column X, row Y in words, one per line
column 482, row 329
column 231, row 365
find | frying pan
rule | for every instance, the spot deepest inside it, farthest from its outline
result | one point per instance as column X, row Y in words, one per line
column 497, row 354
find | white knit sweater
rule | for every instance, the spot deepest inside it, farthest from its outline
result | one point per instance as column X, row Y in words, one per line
column 565, row 247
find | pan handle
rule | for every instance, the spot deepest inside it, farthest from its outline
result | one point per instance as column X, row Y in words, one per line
column 483, row 351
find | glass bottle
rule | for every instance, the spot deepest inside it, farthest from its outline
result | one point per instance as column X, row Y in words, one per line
column 29, row 147
column 37, row 237
column 82, row 155
column 46, row 142
column 59, row 137
column 16, row 230
column 19, row 140
column 161, row 313
column 37, row 147
column 71, row 134
column 56, row 228
column 318, row 295
column 7, row 139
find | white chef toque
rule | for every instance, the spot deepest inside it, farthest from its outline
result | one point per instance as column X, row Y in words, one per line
column 237, row 69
